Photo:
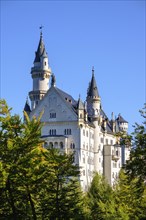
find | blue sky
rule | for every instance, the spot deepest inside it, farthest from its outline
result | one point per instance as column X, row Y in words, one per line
column 109, row 35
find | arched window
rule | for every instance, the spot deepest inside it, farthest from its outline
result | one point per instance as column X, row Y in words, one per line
column 46, row 144
column 73, row 146
column 56, row 144
column 61, row 145
column 51, row 144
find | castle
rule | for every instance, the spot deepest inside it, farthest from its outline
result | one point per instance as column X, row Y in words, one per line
column 73, row 126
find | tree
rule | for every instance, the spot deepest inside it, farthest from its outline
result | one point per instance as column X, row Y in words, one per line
column 131, row 186
column 100, row 200
column 35, row 183
column 136, row 166
column 19, row 146
column 129, row 197
column 63, row 198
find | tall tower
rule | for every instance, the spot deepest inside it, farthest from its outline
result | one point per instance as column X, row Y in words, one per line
column 40, row 73
column 93, row 109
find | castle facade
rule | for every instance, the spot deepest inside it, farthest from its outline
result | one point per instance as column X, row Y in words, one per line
column 76, row 126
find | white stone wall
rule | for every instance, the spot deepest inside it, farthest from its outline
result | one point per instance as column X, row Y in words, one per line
column 94, row 150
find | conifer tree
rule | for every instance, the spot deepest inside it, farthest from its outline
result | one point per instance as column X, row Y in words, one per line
column 35, row 183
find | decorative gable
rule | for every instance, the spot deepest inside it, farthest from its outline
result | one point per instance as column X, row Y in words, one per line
column 55, row 107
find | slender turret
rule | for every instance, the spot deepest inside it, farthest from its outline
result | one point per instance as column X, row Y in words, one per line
column 40, row 73
column 93, row 99
column 93, row 109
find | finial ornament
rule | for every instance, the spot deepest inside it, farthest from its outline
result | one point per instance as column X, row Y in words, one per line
column 92, row 70
column 53, row 81
column 41, row 27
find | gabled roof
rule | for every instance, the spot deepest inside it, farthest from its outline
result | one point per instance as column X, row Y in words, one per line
column 67, row 97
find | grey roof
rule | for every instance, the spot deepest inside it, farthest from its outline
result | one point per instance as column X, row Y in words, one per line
column 40, row 51
column 27, row 107
column 67, row 97
column 108, row 125
column 93, row 91
column 72, row 102
column 80, row 104
column 120, row 119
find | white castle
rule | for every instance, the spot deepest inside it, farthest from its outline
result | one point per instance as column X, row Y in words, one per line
column 74, row 126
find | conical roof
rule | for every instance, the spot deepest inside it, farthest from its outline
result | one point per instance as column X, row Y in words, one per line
column 27, row 107
column 80, row 104
column 40, row 51
column 120, row 119
column 93, row 90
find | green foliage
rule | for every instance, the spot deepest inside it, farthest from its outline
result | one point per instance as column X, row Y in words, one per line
column 101, row 200
column 35, row 183
column 41, row 184
column 136, row 166
column 131, row 187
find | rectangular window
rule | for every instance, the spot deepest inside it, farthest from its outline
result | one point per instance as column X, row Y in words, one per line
column 53, row 115
column 111, row 142
column 67, row 131
column 83, row 132
column 106, row 141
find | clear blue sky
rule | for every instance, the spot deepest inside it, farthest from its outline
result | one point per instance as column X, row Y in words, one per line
column 109, row 35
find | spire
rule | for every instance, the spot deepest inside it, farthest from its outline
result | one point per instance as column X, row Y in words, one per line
column 80, row 104
column 41, row 48
column 27, row 106
column 93, row 91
